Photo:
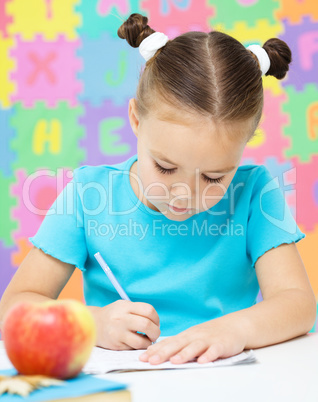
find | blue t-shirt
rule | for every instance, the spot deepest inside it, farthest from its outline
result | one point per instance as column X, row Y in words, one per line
column 191, row 271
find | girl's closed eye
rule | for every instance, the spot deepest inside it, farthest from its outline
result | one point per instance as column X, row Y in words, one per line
column 163, row 170
column 170, row 171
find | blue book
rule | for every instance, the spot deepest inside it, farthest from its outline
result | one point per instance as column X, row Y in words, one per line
column 78, row 387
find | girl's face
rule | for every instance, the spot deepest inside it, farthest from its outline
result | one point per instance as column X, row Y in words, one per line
column 184, row 165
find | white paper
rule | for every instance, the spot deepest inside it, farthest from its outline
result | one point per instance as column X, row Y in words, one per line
column 104, row 361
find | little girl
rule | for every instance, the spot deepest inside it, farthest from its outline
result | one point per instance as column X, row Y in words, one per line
column 189, row 234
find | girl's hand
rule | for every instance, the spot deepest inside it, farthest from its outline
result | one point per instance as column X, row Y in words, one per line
column 218, row 338
column 118, row 323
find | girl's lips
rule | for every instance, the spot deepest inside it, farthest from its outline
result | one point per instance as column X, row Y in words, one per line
column 178, row 209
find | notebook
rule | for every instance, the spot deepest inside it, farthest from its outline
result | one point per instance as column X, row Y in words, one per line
column 104, row 361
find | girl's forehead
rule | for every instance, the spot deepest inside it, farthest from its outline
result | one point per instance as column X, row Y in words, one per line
column 164, row 110
column 182, row 146
column 195, row 130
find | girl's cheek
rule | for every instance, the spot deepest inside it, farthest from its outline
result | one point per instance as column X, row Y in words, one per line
column 155, row 186
column 212, row 195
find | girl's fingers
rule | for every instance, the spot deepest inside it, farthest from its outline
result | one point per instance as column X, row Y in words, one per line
column 136, row 341
column 179, row 352
column 161, row 351
column 189, row 352
column 145, row 325
column 212, row 353
column 144, row 310
column 123, row 346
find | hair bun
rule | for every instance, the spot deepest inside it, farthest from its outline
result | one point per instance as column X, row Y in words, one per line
column 135, row 29
column 280, row 56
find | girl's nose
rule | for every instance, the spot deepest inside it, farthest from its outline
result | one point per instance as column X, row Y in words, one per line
column 182, row 191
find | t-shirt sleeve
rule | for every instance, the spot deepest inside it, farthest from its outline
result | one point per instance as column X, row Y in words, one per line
column 62, row 233
column 270, row 222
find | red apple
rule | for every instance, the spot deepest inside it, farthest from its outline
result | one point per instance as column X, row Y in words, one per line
column 53, row 338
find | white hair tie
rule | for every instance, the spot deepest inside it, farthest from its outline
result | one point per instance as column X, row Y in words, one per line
column 151, row 44
column 262, row 56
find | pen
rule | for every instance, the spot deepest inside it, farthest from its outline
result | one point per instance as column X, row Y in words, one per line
column 113, row 280
column 111, row 276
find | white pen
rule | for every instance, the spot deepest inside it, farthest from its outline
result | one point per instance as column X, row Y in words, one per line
column 113, row 280
column 111, row 276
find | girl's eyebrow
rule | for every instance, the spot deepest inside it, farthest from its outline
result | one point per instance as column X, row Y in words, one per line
column 165, row 159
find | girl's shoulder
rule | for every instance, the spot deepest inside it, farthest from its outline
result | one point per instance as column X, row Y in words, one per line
column 253, row 173
column 263, row 194
column 101, row 173
column 255, row 179
column 252, row 169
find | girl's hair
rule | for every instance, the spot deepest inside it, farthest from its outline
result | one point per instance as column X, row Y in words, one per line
column 209, row 73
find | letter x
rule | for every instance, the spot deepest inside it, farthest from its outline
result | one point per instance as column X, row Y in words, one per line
column 42, row 66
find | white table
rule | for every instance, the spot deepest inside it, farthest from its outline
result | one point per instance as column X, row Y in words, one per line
column 284, row 372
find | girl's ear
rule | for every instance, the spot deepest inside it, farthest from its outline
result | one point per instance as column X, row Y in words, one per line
column 133, row 116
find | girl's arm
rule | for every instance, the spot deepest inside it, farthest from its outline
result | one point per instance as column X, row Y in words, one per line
column 289, row 305
column 39, row 278
column 288, row 310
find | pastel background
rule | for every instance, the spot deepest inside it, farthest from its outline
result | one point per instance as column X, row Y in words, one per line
column 65, row 81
